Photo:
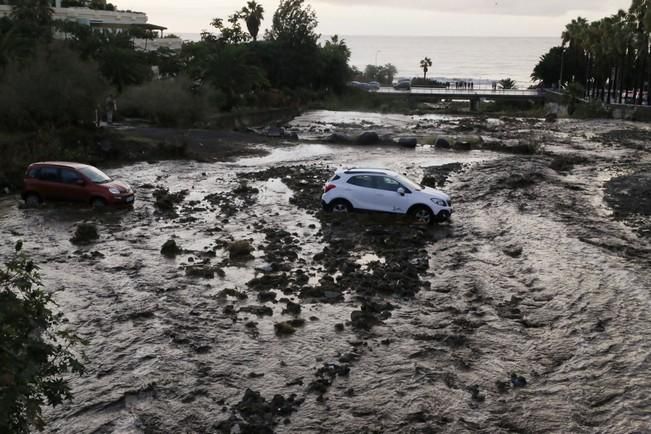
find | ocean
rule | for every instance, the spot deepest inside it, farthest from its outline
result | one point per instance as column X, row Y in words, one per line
column 481, row 60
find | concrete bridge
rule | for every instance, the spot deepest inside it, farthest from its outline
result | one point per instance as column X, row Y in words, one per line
column 473, row 95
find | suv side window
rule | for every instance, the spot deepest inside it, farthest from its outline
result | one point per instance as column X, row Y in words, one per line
column 69, row 176
column 387, row 184
column 50, row 174
column 34, row 173
column 365, row 181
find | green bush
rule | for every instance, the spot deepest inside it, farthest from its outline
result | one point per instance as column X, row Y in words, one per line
column 169, row 102
column 34, row 350
column 54, row 88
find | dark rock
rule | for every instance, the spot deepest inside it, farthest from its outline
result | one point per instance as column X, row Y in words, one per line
column 338, row 138
column 442, row 143
column 518, row 380
column 266, row 296
column 258, row 310
column 408, row 142
column 284, row 329
column 513, row 251
column 475, row 394
column 551, row 117
column 240, row 250
column 85, row 233
column 170, row 249
column 292, row 308
column 367, row 139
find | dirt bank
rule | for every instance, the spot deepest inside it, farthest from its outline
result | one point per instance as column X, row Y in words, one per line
column 527, row 313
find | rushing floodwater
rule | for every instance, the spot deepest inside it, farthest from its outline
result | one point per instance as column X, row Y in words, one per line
column 165, row 356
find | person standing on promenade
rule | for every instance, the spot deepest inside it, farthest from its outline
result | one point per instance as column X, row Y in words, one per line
column 111, row 107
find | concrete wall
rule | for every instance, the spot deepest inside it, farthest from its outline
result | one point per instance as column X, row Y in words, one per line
column 85, row 15
column 154, row 44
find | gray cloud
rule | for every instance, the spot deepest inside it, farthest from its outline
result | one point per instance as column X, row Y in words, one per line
column 547, row 8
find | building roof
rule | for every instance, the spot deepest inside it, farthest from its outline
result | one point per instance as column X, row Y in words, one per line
column 123, row 25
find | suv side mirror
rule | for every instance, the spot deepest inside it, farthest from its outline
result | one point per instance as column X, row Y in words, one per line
column 401, row 191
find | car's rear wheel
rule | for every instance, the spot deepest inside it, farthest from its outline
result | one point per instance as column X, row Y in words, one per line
column 340, row 206
column 32, row 200
column 98, row 203
column 422, row 215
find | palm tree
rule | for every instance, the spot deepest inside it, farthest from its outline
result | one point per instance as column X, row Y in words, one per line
column 425, row 64
column 507, row 83
column 253, row 14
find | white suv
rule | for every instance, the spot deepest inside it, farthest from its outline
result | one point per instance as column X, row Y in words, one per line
column 383, row 190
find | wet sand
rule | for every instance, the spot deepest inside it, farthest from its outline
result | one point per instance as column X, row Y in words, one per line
column 529, row 312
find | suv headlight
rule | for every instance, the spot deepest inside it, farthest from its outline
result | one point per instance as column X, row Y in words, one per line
column 114, row 190
column 440, row 202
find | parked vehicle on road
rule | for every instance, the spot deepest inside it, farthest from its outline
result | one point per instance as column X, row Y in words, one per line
column 382, row 190
column 403, row 84
column 74, row 182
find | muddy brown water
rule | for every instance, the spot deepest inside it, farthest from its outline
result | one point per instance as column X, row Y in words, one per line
column 534, row 277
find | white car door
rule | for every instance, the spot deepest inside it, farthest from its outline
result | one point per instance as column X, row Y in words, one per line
column 387, row 198
column 360, row 192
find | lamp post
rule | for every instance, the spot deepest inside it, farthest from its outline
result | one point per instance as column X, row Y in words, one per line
column 560, row 79
column 376, row 53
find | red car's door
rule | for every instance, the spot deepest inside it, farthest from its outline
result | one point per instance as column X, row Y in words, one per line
column 73, row 186
column 48, row 183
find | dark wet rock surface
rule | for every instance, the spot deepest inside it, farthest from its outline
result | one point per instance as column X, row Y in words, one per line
column 528, row 312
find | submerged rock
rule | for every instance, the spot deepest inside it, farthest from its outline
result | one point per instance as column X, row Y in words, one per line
column 240, row 250
column 85, row 233
column 170, row 249
column 408, row 142
column 367, row 139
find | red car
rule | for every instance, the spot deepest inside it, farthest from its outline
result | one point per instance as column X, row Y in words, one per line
column 74, row 182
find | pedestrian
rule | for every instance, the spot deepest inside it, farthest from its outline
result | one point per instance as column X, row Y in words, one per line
column 111, row 107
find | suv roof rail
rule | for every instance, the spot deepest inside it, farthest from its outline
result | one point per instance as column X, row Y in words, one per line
column 362, row 171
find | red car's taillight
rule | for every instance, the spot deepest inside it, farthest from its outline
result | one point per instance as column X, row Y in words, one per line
column 329, row 187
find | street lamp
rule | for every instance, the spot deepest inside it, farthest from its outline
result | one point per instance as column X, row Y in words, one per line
column 560, row 79
column 376, row 53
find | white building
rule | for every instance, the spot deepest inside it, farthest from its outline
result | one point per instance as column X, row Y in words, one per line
column 110, row 21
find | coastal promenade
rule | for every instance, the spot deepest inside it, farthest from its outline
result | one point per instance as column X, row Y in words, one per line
column 473, row 95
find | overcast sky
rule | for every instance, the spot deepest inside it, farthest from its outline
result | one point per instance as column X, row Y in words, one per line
column 396, row 17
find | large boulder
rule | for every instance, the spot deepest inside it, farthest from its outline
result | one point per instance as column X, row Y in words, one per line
column 338, row 138
column 368, row 138
column 551, row 117
column 408, row 142
column 442, row 142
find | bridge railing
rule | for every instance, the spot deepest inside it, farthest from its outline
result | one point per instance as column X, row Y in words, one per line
column 421, row 90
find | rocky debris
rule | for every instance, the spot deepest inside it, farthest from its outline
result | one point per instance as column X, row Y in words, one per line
column 288, row 327
column 408, row 142
column 230, row 292
column 85, row 233
column 326, row 375
column 203, row 271
column 566, row 162
column 230, row 202
column 517, row 180
column 255, row 415
column 266, row 296
column 513, row 251
column 442, row 143
column 370, row 314
column 240, row 250
column 518, row 381
column 367, row 139
column 338, row 138
column 166, row 201
column 475, row 394
column 258, row 310
column 170, row 249
column 551, row 117
column 437, row 176
column 292, row 308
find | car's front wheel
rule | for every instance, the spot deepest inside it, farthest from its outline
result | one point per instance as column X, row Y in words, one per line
column 340, row 206
column 98, row 203
column 422, row 215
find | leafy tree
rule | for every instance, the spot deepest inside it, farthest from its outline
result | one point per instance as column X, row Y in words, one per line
column 29, row 25
column 294, row 23
column 335, row 72
column 55, row 88
column 253, row 14
column 425, row 65
column 35, row 353
column 232, row 33
column 507, row 84
column 383, row 74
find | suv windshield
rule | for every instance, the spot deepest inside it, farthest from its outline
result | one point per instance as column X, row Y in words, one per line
column 408, row 183
column 95, row 175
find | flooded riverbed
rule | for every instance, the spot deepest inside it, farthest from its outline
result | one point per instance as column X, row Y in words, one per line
column 527, row 313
